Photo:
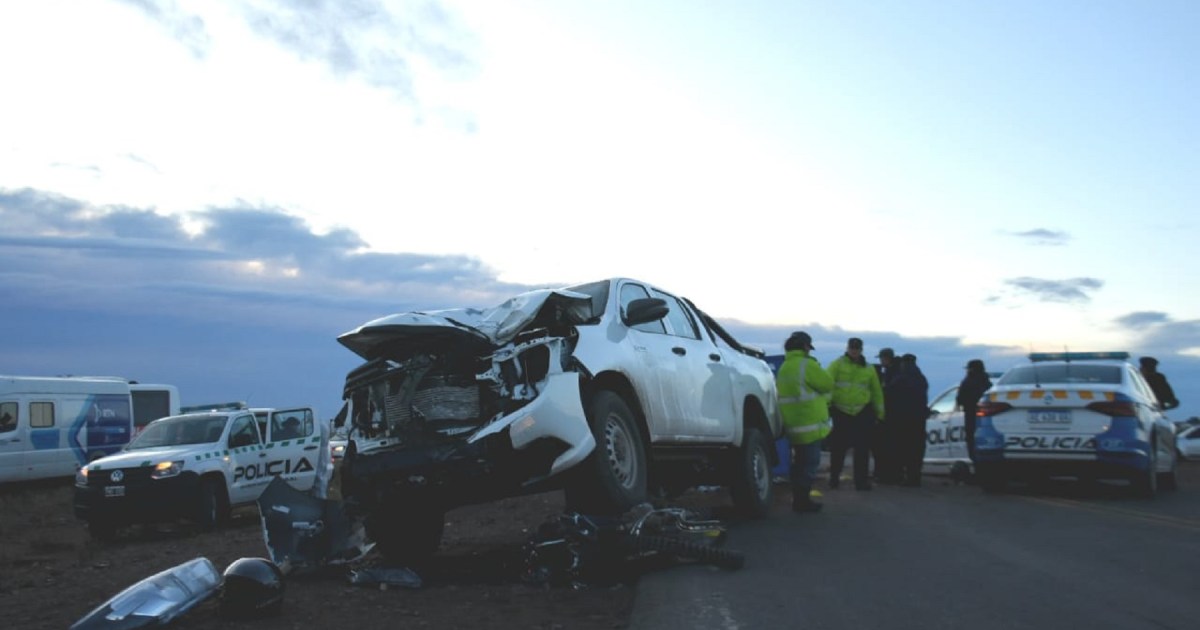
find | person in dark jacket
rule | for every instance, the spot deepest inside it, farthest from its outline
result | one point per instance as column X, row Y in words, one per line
column 1158, row 383
column 883, row 443
column 970, row 390
column 912, row 408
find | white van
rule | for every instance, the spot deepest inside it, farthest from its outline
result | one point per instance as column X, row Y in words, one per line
column 50, row 426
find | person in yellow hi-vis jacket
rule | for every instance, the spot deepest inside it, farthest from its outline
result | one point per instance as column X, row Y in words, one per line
column 857, row 404
column 804, row 387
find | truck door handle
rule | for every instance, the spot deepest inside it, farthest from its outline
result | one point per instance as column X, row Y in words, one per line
column 262, row 454
column 679, row 350
column 714, row 356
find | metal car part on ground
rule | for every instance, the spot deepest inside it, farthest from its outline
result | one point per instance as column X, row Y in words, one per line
column 1084, row 415
column 577, row 550
column 613, row 390
column 199, row 466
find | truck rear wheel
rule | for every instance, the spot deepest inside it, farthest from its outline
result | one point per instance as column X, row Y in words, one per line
column 751, row 484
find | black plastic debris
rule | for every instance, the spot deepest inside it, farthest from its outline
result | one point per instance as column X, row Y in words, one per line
column 156, row 600
column 578, row 550
column 303, row 532
column 391, row 576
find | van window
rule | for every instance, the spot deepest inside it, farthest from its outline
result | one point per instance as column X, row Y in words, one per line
column 8, row 417
column 41, row 415
column 150, row 405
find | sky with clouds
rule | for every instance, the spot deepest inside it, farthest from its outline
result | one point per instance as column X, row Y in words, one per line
column 209, row 192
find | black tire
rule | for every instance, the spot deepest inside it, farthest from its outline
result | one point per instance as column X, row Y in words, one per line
column 102, row 530
column 992, row 480
column 751, row 484
column 1170, row 479
column 405, row 533
column 1145, row 483
column 208, row 506
column 613, row 478
column 688, row 550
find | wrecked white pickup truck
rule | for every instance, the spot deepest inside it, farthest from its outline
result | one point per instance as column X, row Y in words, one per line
column 615, row 391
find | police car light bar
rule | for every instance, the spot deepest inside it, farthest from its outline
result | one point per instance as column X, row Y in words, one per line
column 225, row 406
column 1076, row 356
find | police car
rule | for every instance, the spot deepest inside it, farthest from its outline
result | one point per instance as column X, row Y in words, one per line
column 198, row 466
column 946, row 433
column 1079, row 414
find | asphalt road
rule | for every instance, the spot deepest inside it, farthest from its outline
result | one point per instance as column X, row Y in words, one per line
column 944, row 556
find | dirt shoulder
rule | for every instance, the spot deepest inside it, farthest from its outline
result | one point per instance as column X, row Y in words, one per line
column 52, row 573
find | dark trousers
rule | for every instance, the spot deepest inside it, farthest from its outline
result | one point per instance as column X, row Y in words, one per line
column 884, row 449
column 912, row 448
column 851, row 432
column 969, row 421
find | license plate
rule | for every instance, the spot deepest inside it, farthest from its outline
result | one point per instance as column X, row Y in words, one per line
column 1049, row 418
column 114, row 491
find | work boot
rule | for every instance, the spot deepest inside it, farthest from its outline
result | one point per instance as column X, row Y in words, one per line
column 804, row 503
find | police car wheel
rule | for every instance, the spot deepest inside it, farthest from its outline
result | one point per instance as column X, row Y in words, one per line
column 1145, row 483
column 751, row 486
column 102, row 530
column 208, row 509
column 991, row 479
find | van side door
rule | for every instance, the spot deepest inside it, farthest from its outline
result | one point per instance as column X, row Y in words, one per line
column 294, row 446
column 13, row 442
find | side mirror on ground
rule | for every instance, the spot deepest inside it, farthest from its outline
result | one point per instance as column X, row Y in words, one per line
column 643, row 310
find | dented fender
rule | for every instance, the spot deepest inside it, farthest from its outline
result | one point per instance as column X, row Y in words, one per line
column 558, row 413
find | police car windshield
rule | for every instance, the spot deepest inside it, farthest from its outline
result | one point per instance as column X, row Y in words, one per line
column 194, row 429
column 1061, row 373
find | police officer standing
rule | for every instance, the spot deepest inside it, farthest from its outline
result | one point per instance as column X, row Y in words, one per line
column 803, row 387
column 857, row 404
column 1158, row 383
column 970, row 390
column 884, row 446
column 911, row 408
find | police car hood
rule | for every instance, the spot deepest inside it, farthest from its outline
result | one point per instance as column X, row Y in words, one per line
column 481, row 329
column 145, row 456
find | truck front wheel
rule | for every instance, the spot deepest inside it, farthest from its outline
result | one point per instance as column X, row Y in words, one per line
column 406, row 532
column 613, row 478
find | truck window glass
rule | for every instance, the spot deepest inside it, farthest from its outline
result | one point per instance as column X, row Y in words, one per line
column 682, row 324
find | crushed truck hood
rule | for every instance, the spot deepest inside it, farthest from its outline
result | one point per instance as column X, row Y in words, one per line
column 478, row 328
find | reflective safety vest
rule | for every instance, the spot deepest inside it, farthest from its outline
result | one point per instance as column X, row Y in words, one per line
column 803, row 387
column 855, row 386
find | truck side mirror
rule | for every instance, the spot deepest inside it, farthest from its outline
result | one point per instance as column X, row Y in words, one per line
column 643, row 310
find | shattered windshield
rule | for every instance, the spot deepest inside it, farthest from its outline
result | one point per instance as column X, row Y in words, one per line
column 192, row 429
column 598, row 291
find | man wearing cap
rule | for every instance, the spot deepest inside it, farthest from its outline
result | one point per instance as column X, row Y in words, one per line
column 907, row 416
column 884, row 440
column 970, row 390
column 857, row 404
column 1158, row 383
column 803, row 386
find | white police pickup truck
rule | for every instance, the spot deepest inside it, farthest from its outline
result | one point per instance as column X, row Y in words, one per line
column 198, row 466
